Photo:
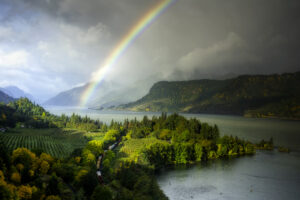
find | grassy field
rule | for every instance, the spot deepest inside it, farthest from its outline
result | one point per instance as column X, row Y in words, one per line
column 131, row 150
column 94, row 135
column 57, row 142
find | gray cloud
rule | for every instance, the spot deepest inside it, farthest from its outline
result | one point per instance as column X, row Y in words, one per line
column 45, row 43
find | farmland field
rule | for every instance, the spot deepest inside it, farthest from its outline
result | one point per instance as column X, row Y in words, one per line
column 57, row 142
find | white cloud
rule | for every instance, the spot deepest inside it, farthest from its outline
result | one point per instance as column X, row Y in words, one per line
column 95, row 34
column 5, row 32
column 17, row 58
column 43, row 46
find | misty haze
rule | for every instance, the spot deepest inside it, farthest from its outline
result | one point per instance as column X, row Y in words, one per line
column 157, row 99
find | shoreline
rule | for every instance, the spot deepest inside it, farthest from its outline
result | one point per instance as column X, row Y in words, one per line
column 204, row 113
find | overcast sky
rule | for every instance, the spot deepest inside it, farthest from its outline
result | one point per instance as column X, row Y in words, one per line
column 47, row 46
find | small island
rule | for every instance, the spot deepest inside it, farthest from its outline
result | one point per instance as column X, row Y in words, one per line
column 284, row 149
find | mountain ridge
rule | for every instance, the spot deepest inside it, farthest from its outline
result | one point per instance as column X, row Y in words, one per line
column 248, row 95
column 15, row 92
column 104, row 95
column 69, row 97
column 4, row 98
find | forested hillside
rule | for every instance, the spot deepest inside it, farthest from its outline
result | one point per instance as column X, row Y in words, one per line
column 250, row 95
column 4, row 98
column 43, row 156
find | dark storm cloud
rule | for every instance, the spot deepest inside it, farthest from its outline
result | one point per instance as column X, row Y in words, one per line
column 117, row 14
column 265, row 32
column 65, row 41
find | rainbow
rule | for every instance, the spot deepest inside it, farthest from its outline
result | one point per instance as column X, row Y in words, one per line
column 128, row 39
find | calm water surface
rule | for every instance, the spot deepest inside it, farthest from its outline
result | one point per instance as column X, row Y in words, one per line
column 284, row 132
column 266, row 175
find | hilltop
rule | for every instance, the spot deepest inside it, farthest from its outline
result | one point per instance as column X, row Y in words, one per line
column 249, row 95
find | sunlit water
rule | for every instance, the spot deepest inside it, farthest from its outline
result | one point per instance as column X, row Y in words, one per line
column 266, row 175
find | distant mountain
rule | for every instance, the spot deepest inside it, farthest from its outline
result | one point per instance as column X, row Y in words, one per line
column 105, row 95
column 4, row 98
column 67, row 98
column 16, row 92
column 249, row 95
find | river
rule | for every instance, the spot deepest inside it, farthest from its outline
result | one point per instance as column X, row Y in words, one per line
column 266, row 175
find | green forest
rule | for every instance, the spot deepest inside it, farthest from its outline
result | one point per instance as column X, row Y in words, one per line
column 50, row 157
column 262, row 96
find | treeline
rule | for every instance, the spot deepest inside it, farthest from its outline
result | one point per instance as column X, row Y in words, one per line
column 161, row 155
column 78, row 122
column 173, row 127
column 26, row 174
column 265, row 145
column 24, row 113
column 188, row 140
column 251, row 95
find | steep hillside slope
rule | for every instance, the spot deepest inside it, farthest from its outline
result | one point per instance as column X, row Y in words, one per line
column 251, row 95
column 16, row 92
column 67, row 98
column 4, row 98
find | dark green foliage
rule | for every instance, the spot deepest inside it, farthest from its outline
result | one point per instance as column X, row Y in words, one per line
column 27, row 108
column 8, row 117
column 24, row 113
column 76, row 152
column 127, row 177
column 65, row 171
column 198, row 149
column 139, row 133
column 265, row 145
column 251, row 95
column 4, row 157
column 234, row 146
column 183, row 153
column 190, row 141
column 88, row 182
column 194, row 126
column 160, row 154
column 101, row 192
column 107, row 164
column 208, row 132
column 284, row 149
column 53, row 188
column 183, row 136
column 138, row 183
column 5, row 193
column 111, row 136
column 164, row 134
